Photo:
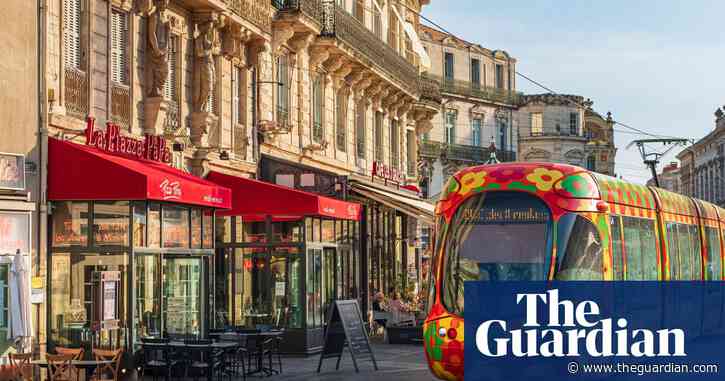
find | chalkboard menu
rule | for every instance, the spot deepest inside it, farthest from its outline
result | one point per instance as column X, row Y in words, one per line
column 345, row 328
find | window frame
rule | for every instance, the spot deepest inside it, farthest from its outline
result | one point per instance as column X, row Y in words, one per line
column 536, row 120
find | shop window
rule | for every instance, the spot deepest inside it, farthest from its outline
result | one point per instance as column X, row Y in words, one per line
column 252, row 232
column 640, row 248
column 287, row 232
column 208, row 232
column 147, row 284
column 110, row 223
column 70, row 223
column 328, row 231
column 714, row 261
column 315, row 290
column 196, row 228
column 139, row 223
column 175, row 227
column 154, row 228
column 181, row 312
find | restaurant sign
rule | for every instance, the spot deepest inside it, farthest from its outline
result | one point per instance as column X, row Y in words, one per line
column 12, row 171
column 387, row 173
column 14, row 233
column 152, row 147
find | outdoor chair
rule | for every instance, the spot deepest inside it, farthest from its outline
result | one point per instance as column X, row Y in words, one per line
column 60, row 368
column 156, row 358
column 202, row 360
column 107, row 372
column 77, row 354
column 21, row 362
column 234, row 358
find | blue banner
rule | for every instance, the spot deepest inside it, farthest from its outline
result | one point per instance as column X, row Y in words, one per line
column 594, row 331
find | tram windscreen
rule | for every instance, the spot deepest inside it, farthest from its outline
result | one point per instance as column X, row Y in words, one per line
column 498, row 236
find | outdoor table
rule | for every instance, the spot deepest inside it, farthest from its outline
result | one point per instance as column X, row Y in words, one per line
column 260, row 360
column 87, row 365
column 222, row 345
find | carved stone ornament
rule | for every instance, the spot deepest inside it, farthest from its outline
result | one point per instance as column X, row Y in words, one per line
column 234, row 39
column 206, row 46
column 159, row 27
column 536, row 154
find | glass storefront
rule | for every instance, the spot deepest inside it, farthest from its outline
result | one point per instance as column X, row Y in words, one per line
column 124, row 270
column 284, row 274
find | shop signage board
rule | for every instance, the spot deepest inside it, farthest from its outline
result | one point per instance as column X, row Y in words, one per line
column 387, row 173
column 109, row 299
column 345, row 328
column 12, row 171
column 14, row 233
column 110, row 140
column 37, row 291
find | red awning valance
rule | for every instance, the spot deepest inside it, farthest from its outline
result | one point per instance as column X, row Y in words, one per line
column 78, row 172
column 254, row 200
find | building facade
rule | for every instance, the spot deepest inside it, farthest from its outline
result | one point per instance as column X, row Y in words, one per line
column 669, row 178
column 323, row 97
column 478, row 86
column 20, row 169
column 564, row 129
column 702, row 173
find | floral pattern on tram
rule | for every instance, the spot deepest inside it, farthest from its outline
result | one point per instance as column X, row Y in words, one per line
column 562, row 186
column 439, row 348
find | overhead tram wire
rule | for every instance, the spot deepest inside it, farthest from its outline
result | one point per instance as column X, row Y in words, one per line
column 444, row 30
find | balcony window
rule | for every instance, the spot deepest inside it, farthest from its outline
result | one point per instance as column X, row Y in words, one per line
column 378, row 24
column 537, row 123
column 411, row 154
column 476, row 132
column 359, row 10
column 378, row 136
column 283, row 92
column 317, row 109
column 499, row 76
column 574, row 123
column 170, row 89
column 341, row 111
column 476, row 73
column 451, row 120
column 76, row 79
column 120, row 92
column 591, row 163
column 360, row 130
column 394, row 144
column 448, row 67
column 502, row 135
column 393, row 30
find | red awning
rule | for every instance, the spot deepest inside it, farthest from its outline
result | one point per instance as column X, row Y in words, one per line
column 78, row 172
column 254, row 200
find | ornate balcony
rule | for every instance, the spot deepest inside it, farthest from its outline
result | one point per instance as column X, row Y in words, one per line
column 430, row 89
column 458, row 152
column 258, row 12
column 76, row 92
column 121, row 105
column 472, row 90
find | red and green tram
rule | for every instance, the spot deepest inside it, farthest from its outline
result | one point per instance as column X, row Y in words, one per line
column 545, row 221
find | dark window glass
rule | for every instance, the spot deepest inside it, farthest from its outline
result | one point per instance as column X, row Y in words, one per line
column 139, row 223
column 476, row 72
column 579, row 249
column 483, row 245
column 154, row 229
column 449, row 72
column 640, row 248
column 617, row 253
column 70, row 223
column 208, row 229
column 176, row 226
column 714, row 261
column 196, row 228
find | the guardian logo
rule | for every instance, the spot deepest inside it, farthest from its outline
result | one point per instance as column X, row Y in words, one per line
column 582, row 328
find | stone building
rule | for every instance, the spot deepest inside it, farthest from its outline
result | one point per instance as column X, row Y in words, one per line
column 20, row 153
column 479, row 90
column 564, row 129
column 321, row 96
column 669, row 178
column 702, row 172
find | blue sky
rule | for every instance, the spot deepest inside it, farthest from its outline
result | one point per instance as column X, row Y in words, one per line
column 657, row 65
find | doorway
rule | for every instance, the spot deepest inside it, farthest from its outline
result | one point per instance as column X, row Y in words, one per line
column 182, row 291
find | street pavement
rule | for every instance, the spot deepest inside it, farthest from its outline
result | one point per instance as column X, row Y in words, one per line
column 395, row 363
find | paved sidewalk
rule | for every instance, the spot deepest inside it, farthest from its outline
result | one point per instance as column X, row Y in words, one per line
column 395, row 363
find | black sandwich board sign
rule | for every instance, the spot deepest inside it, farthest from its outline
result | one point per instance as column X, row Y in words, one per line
column 345, row 328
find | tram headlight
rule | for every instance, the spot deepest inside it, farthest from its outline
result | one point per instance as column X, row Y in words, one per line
column 442, row 332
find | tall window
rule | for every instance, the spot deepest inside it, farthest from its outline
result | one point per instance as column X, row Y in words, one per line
column 451, row 119
column 537, row 123
column 341, row 111
column 211, row 105
column 378, row 136
column 476, row 73
column 502, row 135
column 170, row 92
column 236, row 99
column 574, row 123
column 591, row 163
column 359, row 10
column 499, row 76
column 476, row 132
column 119, row 47
column 283, row 89
column 317, row 110
column 448, row 63
column 411, row 145
column 393, row 30
column 378, row 24
column 72, row 50
column 360, row 134
column 238, row 112
column 394, row 144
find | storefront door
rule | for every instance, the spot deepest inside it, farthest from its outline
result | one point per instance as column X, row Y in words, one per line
column 182, row 291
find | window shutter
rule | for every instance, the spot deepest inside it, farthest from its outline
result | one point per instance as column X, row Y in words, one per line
column 170, row 85
column 235, row 95
column 119, row 47
column 360, row 133
column 211, row 105
column 72, row 33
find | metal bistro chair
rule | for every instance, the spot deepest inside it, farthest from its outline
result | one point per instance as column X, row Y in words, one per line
column 103, row 371
column 60, row 367
column 21, row 361
column 155, row 358
column 202, row 359
column 233, row 362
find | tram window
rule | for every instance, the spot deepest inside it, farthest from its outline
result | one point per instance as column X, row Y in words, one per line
column 714, row 261
column 581, row 249
column 684, row 255
column 696, row 252
column 640, row 248
column 618, row 265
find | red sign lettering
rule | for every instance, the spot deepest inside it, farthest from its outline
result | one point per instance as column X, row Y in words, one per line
column 111, row 140
column 387, row 173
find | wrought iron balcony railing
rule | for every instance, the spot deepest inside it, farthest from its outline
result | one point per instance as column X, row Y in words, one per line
column 121, row 105
column 473, row 90
column 258, row 12
column 430, row 89
column 337, row 23
column 473, row 154
column 172, row 121
column 76, row 92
